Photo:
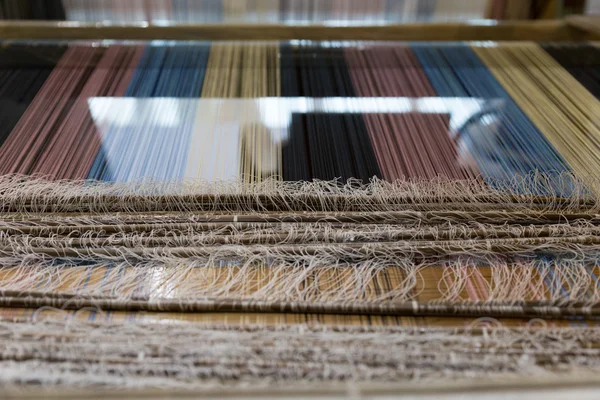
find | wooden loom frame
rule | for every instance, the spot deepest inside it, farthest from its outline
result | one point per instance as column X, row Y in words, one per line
column 574, row 28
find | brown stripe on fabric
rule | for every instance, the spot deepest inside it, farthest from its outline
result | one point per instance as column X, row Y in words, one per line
column 48, row 110
column 76, row 141
column 407, row 145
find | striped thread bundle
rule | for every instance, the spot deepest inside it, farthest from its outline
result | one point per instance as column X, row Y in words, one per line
column 256, row 111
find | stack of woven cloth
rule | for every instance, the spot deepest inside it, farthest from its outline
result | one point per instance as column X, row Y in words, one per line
column 190, row 285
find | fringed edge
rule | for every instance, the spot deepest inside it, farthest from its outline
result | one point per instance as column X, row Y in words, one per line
column 378, row 283
column 560, row 192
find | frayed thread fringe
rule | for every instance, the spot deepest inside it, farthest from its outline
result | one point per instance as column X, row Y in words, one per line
column 193, row 250
column 563, row 192
column 377, row 279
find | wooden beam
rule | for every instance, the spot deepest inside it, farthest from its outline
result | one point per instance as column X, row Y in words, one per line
column 587, row 24
column 487, row 30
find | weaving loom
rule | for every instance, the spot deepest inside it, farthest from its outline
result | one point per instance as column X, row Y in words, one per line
column 227, row 213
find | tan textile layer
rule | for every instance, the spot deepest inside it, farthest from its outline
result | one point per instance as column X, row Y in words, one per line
column 409, row 249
